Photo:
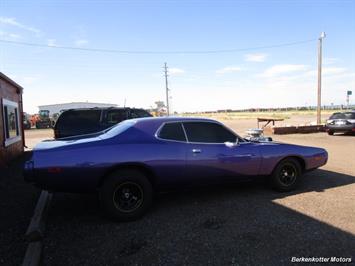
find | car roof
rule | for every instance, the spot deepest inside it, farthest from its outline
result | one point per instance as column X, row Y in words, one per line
column 102, row 108
column 165, row 119
column 150, row 125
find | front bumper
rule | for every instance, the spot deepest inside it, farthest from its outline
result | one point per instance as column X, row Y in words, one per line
column 317, row 160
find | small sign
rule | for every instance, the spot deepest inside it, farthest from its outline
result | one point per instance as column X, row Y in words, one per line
column 349, row 93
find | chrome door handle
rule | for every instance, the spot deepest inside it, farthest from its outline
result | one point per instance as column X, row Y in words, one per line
column 196, row 150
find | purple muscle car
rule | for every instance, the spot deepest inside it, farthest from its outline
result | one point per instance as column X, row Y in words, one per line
column 127, row 163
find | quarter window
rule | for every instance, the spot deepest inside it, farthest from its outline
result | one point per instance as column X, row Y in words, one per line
column 172, row 131
column 206, row 132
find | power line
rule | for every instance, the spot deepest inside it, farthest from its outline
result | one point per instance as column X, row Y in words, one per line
column 156, row 52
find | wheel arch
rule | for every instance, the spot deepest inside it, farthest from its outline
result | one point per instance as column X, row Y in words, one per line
column 298, row 158
column 145, row 169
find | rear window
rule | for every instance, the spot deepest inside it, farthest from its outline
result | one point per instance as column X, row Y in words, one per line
column 348, row 115
column 172, row 131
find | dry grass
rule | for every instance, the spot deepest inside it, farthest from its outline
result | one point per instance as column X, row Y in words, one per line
column 251, row 115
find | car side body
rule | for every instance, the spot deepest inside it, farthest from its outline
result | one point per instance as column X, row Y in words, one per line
column 82, row 163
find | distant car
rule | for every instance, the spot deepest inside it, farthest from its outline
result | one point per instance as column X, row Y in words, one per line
column 129, row 162
column 85, row 121
column 342, row 122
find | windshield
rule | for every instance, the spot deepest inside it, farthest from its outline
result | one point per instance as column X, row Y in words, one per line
column 117, row 129
column 44, row 113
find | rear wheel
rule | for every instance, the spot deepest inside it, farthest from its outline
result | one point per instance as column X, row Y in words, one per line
column 330, row 133
column 286, row 175
column 126, row 195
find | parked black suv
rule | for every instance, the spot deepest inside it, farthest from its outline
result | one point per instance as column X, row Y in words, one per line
column 341, row 122
column 85, row 121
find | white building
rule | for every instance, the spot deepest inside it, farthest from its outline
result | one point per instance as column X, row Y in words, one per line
column 57, row 108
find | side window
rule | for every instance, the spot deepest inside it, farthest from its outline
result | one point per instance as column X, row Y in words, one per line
column 78, row 119
column 172, row 131
column 208, row 132
column 115, row 116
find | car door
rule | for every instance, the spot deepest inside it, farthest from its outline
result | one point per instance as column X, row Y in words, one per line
column 169, row 160
column 213, row 154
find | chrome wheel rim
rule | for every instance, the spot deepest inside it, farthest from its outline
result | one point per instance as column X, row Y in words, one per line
column 128, row 197
column 288, row 175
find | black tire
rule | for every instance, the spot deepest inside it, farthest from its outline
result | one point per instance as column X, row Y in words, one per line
column 331, row 133
column 286, row 175
column 126, row 195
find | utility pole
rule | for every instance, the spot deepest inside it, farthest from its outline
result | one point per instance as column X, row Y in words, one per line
column 319, row 90
column 348, row 93
column 166, row 88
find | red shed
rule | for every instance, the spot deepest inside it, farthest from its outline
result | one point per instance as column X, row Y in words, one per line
column 12, row 140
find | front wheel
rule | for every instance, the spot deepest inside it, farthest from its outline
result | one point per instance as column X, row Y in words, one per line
column 331, row 133
column 126, row 195
column 286, row 175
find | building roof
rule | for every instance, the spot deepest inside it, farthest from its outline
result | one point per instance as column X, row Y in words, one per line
column 13, row 83
column 74, row 103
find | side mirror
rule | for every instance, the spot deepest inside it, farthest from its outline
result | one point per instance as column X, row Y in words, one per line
column 232, row 144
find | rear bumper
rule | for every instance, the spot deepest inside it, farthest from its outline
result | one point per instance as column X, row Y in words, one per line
column 341, row 128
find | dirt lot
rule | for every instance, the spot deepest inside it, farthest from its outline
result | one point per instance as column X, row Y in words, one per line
column 242, row 224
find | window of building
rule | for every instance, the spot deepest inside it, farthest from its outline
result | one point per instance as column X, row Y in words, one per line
column 11, row 122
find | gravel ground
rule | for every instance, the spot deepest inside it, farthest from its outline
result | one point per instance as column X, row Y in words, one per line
column 17, row 201
column 245, row 224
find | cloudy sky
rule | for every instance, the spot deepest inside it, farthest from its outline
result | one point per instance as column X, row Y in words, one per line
column 246, row 72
